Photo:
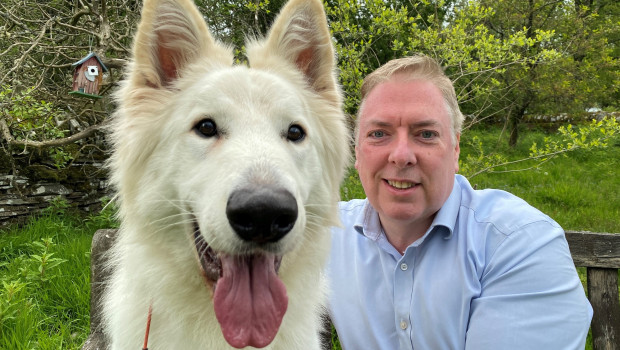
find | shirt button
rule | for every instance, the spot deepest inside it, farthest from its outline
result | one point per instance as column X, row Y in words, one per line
column 403, row 325
column 403, row 267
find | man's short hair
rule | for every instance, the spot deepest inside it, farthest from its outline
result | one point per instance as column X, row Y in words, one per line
column 416, row 67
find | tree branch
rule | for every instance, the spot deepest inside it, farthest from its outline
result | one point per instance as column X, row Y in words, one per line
column 6, row 133
column 25, row 54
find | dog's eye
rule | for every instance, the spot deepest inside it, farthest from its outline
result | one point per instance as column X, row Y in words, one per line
column 295, row 133
column 206, row 127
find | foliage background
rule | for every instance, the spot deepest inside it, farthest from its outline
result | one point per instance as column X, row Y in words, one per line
column 508, row 58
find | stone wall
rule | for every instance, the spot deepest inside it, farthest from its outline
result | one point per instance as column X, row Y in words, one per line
column 28, row 183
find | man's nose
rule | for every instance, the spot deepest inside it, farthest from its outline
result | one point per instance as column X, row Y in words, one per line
column 402, row 153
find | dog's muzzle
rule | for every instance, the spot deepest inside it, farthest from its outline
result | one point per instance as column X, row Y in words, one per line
column 249, row 298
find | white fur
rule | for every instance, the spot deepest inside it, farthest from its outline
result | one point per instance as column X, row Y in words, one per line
column 165, row 173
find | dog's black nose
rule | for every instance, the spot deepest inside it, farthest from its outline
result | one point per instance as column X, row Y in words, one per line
column 261, row 214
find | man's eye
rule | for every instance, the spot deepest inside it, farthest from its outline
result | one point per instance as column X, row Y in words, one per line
column 427, row 134
column 377, row 134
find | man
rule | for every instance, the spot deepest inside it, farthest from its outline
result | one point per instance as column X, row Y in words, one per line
column 426, row 261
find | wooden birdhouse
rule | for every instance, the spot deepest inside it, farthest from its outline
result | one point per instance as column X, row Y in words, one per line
column 87, row 76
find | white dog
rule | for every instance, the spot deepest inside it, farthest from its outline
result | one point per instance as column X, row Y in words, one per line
column 228, row 179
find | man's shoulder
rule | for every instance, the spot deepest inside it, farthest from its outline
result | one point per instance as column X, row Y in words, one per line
column 502, row 209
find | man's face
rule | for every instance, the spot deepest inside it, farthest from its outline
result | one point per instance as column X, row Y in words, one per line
column 404, row 153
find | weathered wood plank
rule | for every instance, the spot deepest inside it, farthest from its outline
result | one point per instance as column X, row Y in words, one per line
column 603, row 295
column 99, row 274
column 591, row 249
column 326, row 333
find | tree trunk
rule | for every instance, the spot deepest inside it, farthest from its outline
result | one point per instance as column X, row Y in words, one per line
column 514, row 131
column 516, row 117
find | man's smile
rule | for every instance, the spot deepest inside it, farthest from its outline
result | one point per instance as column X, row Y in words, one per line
column 401, row 185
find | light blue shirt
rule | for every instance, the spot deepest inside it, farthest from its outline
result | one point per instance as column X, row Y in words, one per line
column 491, row 272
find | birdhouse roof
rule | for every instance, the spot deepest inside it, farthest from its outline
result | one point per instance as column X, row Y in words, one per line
column 87, row 57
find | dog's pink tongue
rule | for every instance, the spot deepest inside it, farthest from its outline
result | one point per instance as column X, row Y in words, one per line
column 250, row 300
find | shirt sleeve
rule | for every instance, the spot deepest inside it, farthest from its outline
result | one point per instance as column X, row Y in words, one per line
column 531, row 296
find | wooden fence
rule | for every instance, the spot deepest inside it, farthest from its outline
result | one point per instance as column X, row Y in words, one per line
column 599, row 253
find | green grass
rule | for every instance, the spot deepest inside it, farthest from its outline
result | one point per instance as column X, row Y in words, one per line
column 44, row 265
column 581, row 190
column 45, row 280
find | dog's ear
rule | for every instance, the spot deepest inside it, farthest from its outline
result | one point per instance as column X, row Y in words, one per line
column 300, row 35
column 171, row 34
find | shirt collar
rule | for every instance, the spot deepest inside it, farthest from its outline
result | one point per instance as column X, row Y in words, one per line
column 368, row 223
column 449, row 211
